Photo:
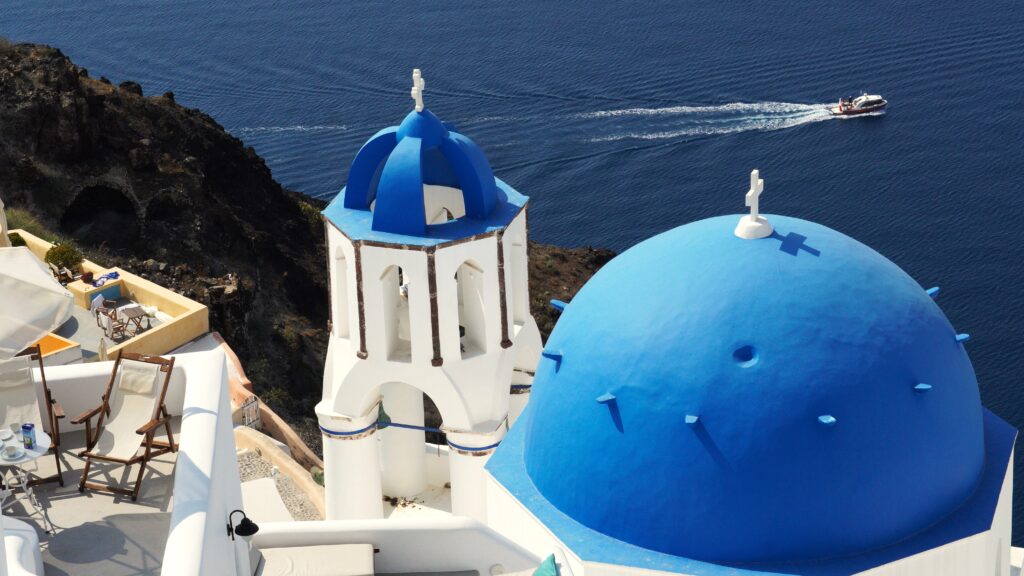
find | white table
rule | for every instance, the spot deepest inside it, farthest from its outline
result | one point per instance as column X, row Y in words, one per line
column 16, row 479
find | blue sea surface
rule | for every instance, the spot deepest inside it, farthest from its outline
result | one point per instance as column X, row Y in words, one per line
column 624, row 119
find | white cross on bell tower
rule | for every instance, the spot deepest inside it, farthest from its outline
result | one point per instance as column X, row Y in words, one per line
column 418, row 84
column 754, row 226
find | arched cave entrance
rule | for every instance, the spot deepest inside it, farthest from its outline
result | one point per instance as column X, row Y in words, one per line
column 101, row 215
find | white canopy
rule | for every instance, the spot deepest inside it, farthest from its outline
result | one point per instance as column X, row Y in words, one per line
column 32, row 302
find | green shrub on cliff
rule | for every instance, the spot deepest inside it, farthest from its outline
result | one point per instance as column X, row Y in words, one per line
column 16, row 239
column 64, row 255
column 18, row 218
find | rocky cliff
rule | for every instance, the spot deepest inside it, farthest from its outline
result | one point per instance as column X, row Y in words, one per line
column 142, row 182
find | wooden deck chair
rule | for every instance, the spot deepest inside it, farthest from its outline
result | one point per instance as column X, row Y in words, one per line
column 62, row 274
column 19, row 401
column 131, row 411
column 113, row 328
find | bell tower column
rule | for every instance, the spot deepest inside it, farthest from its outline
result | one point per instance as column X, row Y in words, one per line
column 351, row 466
column 467, row 456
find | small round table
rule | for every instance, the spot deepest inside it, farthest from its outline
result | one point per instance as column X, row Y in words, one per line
column 16, row 478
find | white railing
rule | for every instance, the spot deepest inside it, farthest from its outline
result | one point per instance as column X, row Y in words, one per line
column 206, row 481
column 440, row 544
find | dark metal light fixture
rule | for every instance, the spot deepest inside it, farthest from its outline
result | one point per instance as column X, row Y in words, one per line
column 244, row 528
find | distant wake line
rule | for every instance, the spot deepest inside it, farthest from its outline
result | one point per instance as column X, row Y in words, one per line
column 698, row 121
column 734, row 107
column 295, row 128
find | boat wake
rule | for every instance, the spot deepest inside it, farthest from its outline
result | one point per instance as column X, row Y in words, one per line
column 699, row 121
column 295, row 128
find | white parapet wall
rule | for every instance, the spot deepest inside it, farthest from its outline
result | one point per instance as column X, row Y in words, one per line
column 421, row 545
column 207, row 486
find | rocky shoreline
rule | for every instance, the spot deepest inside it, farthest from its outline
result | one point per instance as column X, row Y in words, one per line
column 162, row 190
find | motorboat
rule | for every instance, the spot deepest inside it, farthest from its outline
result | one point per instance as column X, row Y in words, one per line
column 862, row 104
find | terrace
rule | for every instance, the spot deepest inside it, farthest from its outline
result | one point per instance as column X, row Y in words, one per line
column 170, row 320
column 177, row 525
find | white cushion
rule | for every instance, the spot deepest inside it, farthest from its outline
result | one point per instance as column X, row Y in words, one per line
column 21, row 543
column 326, row 560
column 137, row 377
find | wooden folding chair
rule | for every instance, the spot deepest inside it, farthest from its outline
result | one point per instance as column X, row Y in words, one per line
column 19, row 403
column 62, row 274
column 112, row 327
column 131, row 411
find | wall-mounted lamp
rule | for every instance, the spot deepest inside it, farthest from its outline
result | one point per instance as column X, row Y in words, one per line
column 244, row 528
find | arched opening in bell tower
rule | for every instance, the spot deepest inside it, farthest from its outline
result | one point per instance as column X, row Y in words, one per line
column 472, row 318
column 339, row 294
column 518, row 286
column 395, row 298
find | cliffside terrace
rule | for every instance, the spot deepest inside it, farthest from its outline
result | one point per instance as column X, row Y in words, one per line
column 171, row 319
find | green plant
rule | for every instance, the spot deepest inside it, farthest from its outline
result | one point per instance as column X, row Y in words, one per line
column 277, row 398
column 317, row 474
column 16, row 239
column 312, row 214
column 64, row 255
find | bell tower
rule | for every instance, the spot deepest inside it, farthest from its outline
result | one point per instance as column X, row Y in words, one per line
column 428, row 288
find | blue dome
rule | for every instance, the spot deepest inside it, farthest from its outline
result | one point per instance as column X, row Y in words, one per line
column 393, row 166
column 793, row 398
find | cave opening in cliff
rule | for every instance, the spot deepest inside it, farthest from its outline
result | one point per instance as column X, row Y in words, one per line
column 101, row 215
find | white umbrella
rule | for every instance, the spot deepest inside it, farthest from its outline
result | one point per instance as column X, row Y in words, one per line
column 32, row 302
column 4, row 240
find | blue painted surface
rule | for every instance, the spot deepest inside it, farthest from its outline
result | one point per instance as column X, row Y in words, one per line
column 507, row 465
column 357, row 224
column 390, row 170
column 760, row 338
column 109, row 293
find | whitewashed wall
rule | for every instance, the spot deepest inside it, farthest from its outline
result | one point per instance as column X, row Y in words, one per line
column 207, row 486
column 421, row 545
column 512, row 520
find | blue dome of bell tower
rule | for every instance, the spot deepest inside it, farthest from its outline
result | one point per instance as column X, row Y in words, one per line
column 390, row 172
